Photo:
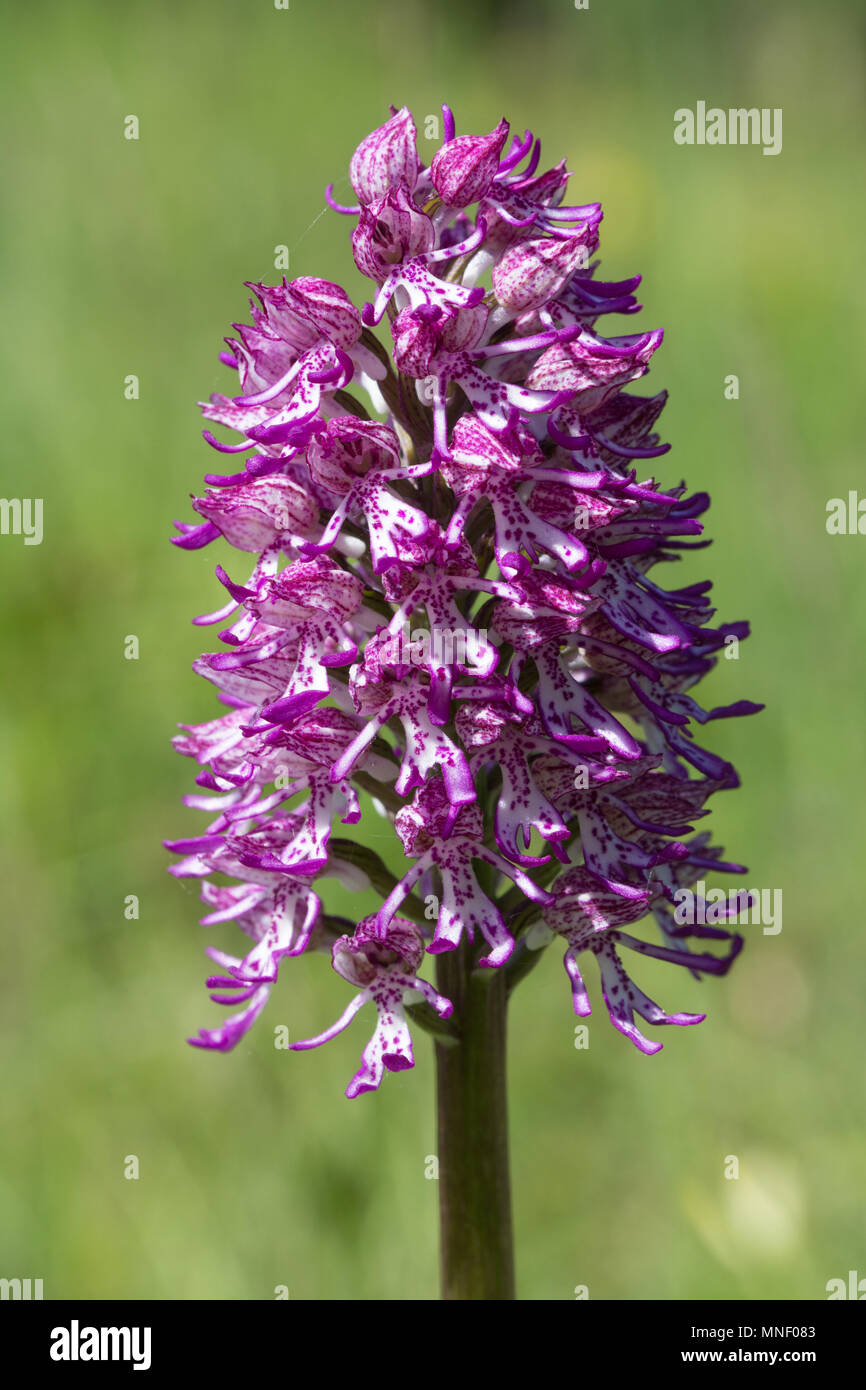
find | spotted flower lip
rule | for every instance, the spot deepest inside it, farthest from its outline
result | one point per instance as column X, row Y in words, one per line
column 590, row 918
column 443, row 615
column 439, row 835
column 383, row 966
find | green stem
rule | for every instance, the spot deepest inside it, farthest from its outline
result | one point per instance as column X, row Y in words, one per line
column 474, row 1181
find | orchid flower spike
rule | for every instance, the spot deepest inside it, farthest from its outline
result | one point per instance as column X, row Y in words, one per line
column 446, row 527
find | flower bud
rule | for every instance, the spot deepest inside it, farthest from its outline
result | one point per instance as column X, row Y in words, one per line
column 533, row 272
column 252, row 515
column 593, row 367
column 306, row 310
column 463, row 170
column 385, row 158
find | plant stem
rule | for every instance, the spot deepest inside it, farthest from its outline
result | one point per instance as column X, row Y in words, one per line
column 474, row 1183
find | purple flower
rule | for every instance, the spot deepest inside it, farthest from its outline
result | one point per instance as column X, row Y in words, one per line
column 386, row 158
column 589, row 917
column 390, row 231
column 465, row 167
column 382, row 965
column 450, row 608
column 533, row 272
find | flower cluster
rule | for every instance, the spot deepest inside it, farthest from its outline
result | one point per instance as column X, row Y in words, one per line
column 448, row 607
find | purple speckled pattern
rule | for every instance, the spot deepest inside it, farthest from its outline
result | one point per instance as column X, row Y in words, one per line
column 442, row 620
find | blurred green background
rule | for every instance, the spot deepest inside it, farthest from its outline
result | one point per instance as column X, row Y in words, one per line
column 125, row 257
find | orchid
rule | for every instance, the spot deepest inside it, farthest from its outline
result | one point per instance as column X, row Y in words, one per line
column 481, row 478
